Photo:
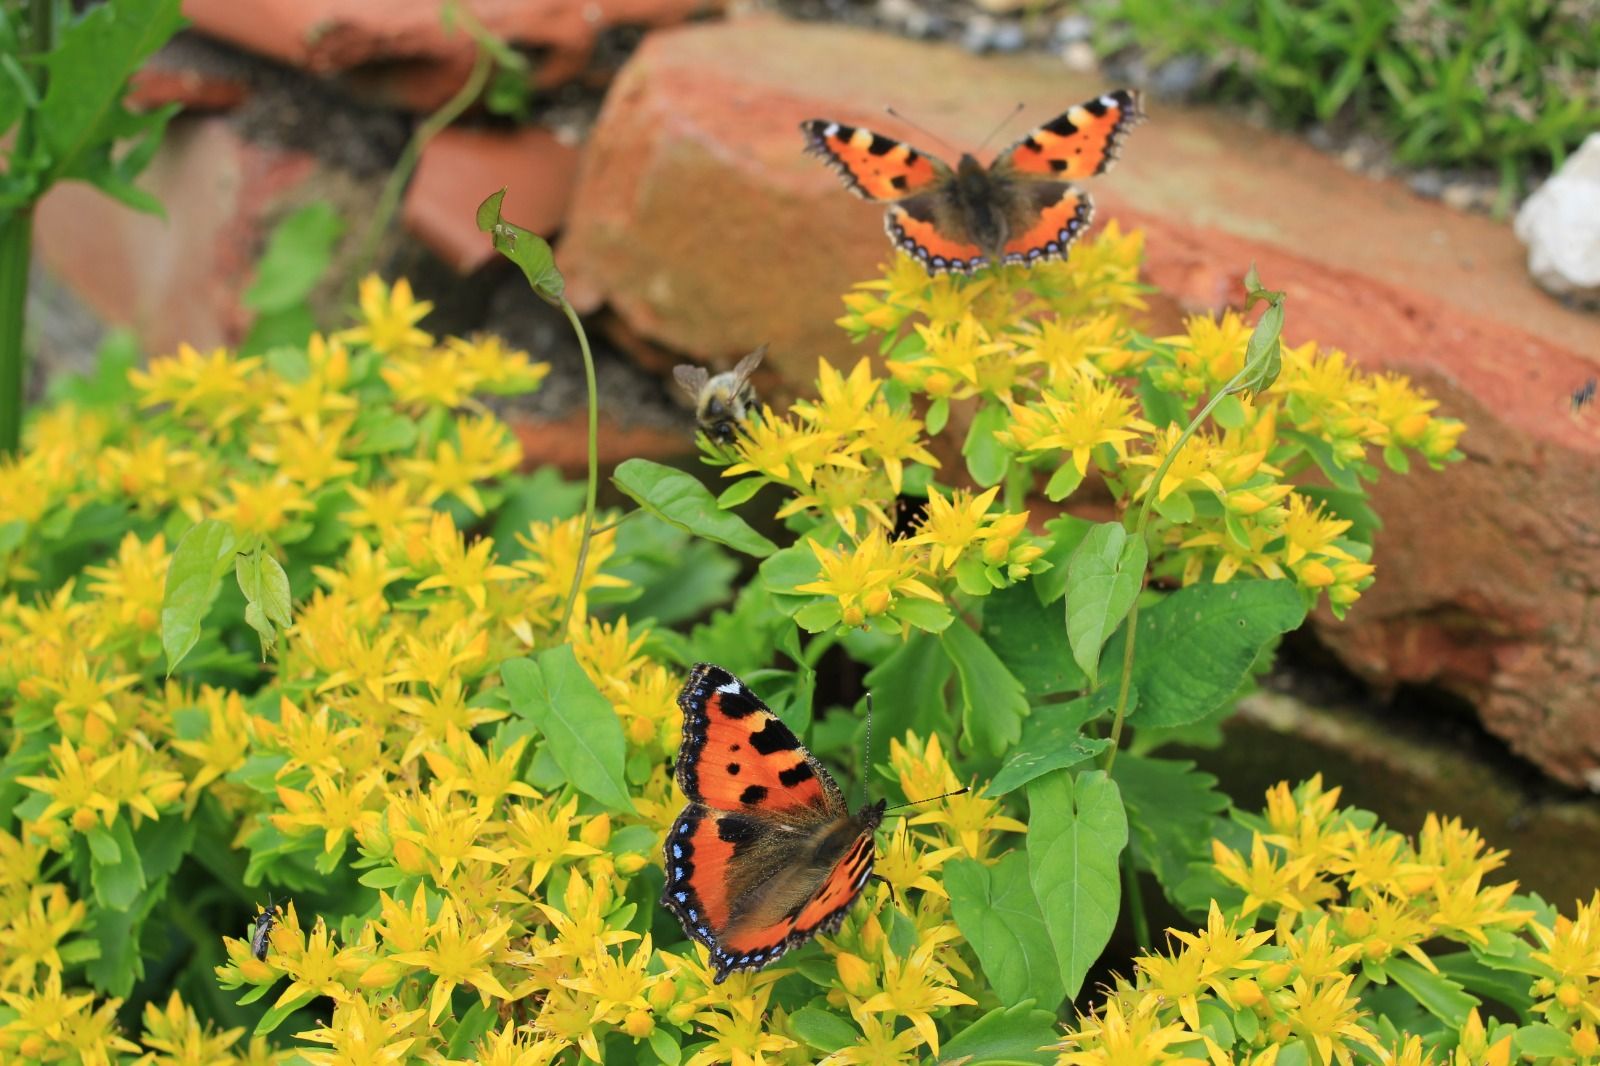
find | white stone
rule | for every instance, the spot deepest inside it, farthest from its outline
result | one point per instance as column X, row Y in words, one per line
column 1560, row 224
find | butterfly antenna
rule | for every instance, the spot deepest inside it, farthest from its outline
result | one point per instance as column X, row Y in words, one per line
column 866, row 760
column 932, row 136
column 1003, row 123
column 962, row 791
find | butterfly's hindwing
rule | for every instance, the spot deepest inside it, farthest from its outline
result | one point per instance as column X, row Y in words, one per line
column 1079, row 143
column 914, row 226
column 873, row 166
column 1055, row 215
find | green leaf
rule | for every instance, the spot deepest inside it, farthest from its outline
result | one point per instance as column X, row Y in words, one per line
column 81, row 115
column 118, row 881
column 1030, row 639
column 992, row 703
column 1262, row 354
column 523, row 247
column 1065, row 481
column 908, row 688
column 680, row 499
column 1006, row 1036
column 1103, row 580
column 926, row 615
column 1439, row 995
column 266, row 591
column 665, row 1045
column 477, row 1021
column 1172, row 810
column 1542, row 1042
column 276, row 1016
column 1196, row 646
column 382, row 430
column 193, row 579
column 1065, row 533
column 1476, row 976
column 987, row 458
column 298, row 252
column 1052, row 739
column 938, row 416
column 1076, row 830
column 995, row 910
column 740, row 492
column 579, row 726
column 823, row 1029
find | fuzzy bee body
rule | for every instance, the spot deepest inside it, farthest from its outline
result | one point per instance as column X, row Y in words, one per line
column 722, row 403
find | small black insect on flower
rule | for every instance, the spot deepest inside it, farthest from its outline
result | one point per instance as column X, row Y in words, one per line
column 263, row 929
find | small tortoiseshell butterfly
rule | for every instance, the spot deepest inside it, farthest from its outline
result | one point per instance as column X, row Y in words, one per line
column 766, row 853
column 1020, row 209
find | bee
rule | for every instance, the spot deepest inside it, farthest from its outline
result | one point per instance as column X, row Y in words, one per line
column 721, row 403
column 263, row 929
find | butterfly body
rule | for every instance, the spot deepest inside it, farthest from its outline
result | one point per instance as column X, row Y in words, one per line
column 766, row 854
column 1022, row 208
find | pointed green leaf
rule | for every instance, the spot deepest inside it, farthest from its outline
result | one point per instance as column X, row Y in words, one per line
column 1438, row 994
column 1076, row 831
column 1052, row 739
column 1031, row 640
column 523, row 247
column 995, row 910
column 579, row 727
column 823, row 1030
column 1196, row 646
column 992, row 703
column 193, row 578
column 1103, row 580
column 679, row 499
column 1006, row 1036
column 987, row 458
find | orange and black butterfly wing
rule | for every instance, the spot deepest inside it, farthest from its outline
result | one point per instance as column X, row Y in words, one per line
column 922, row 228
column 708, row 865
column 744, row 888
column 873, row 166
column 825, row 910
column 1079, row 143
column 738, row 756
column 1048, row 217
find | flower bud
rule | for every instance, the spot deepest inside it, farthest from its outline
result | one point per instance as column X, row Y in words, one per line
column 638, row 1024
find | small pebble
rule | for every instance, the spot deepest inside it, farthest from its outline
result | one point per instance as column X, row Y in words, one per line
column 1079, row 57
column 1429, row 183
column 1008, row 37
column 1072, row 28
column 1179, row 76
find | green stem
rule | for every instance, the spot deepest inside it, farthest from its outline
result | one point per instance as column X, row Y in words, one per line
column 16, row 239
column 594, row 462
column 1140, row 525
column 1135, row 898
column 395, row 186
column 16, row 246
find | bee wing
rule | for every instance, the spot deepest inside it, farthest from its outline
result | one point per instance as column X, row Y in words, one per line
column 691, row 379
column 747, row 366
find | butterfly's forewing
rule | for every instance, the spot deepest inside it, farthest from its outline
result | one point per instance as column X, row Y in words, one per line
column 873, row 166
column 1079, row 143
column 739, row 756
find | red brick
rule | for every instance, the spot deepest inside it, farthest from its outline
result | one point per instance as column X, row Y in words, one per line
column 564, row 443
column 155, row 86
column 175, row 279
column 409, row 56
column 460, row 167
column 700, row 223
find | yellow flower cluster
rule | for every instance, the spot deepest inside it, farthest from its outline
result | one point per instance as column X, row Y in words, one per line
column 1048, row 364
column 499, row 901
column 1347, row 902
